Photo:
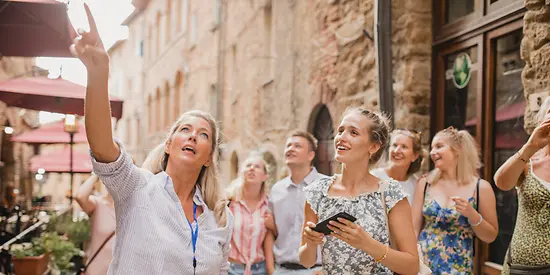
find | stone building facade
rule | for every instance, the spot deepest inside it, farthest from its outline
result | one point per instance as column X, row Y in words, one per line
column 264, row 68
column 14, row 157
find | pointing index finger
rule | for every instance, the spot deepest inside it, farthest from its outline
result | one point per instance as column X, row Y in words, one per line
column 91, row 20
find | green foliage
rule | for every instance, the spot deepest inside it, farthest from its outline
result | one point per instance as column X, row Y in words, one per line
column 60, row 249
column 36, row 249
column 61, row 240
column 79, row 231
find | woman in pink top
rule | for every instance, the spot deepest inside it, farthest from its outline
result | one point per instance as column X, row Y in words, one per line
column 102, row 218
column 249, row 206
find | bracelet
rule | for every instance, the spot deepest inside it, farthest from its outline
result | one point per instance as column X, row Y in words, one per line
column 518, row 155
column 385, row 255
column 477, row 223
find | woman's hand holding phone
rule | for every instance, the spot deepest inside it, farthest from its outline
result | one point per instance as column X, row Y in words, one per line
column 349, row 232
column 312, row 237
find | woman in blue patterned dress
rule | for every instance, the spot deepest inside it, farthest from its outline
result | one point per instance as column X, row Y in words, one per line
column 362, row 247
column 446, row 214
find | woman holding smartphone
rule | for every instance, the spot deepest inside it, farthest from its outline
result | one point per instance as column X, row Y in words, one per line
column 380, row 207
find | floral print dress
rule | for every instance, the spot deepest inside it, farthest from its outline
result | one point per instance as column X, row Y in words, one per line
column 339, row 258
column 446, row 239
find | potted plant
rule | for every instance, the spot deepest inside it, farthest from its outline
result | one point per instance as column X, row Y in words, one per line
column 61, row 250
column 30, row 259
column 49, row 247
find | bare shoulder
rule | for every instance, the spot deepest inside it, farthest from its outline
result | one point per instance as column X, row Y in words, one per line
column 422, row 181
column 485, row 186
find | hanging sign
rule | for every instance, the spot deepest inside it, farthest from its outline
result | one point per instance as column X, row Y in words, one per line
column 462, row 70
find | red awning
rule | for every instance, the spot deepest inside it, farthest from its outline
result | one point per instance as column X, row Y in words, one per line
column 506, row 112
column 59, row 162
column 51, row 133
column 52, row 95
column 509, row 141
column 35, row 28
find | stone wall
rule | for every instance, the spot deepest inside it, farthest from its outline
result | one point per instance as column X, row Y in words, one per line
column 412, row 55
column 282, row 61
column 535, row 50
column 345, row 62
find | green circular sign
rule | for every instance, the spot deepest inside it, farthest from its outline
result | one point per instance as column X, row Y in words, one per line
column 462, row 70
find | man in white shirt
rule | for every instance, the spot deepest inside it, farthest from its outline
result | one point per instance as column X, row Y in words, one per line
column 287, row 201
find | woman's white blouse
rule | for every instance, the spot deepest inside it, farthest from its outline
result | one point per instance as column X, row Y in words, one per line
column 153, row 235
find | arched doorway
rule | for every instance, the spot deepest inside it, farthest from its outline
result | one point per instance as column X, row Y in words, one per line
column 272, row 167
column 321, row 127
column 234, row 166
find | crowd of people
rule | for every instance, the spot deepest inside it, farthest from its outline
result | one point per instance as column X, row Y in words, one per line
column 174, row 215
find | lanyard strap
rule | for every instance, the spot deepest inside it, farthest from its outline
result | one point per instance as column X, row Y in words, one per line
column 194, row 234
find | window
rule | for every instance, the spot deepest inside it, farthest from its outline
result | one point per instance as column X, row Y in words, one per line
column 174, row 14
column 268, row 25
column 140, row 48
column 214, row 101
column 120, row 85
column 168, row 21
column 194, row 29
column 455, row 9
column 158, row 34
column 509, row 135
column 151, row 40
column 182, row 15
column 461, row 90
column 149, row 114
column 218, row 11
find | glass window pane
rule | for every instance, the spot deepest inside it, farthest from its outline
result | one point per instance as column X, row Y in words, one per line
column 509, row 134
column 461, row 89
column 455, row 9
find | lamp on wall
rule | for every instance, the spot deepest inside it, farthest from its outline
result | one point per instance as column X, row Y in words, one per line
column 8, row 130
column 71, row 127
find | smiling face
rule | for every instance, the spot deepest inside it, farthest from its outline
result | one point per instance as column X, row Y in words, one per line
column 353, row 142
column 401, row 151
column 442, row 154
column 298, row 151
column 254, row 171
column 191, row 143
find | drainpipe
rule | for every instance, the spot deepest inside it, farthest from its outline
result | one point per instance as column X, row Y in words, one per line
column 382, row 39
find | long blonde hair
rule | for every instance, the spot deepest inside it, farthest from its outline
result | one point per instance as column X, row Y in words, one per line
column 464, row 146
column 153, row 161
column 208, row 181
column 235, row 189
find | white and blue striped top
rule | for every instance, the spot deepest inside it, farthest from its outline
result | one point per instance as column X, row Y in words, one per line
column 152, row 233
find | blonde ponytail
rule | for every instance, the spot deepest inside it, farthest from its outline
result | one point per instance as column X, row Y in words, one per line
column 468, row 157
column 153, row 161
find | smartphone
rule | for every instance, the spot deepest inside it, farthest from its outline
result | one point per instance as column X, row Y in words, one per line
column 322, row 227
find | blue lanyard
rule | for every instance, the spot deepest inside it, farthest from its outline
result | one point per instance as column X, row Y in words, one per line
column 194, row 235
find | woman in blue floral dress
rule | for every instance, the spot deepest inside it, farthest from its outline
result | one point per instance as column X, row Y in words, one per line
column 446, row 213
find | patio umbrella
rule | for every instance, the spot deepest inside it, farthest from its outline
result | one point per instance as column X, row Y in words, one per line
column 59, row 162
column 35, row 28
column 51, row 133
column 52, row 95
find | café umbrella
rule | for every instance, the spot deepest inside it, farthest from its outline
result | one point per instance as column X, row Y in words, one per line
column 31, row 28
column 50, row 94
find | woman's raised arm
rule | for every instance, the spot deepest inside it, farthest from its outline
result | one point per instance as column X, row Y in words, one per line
column 90, row 50
column 508, row 175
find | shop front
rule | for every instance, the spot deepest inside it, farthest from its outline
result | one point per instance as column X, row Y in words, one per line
column 477, row 85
